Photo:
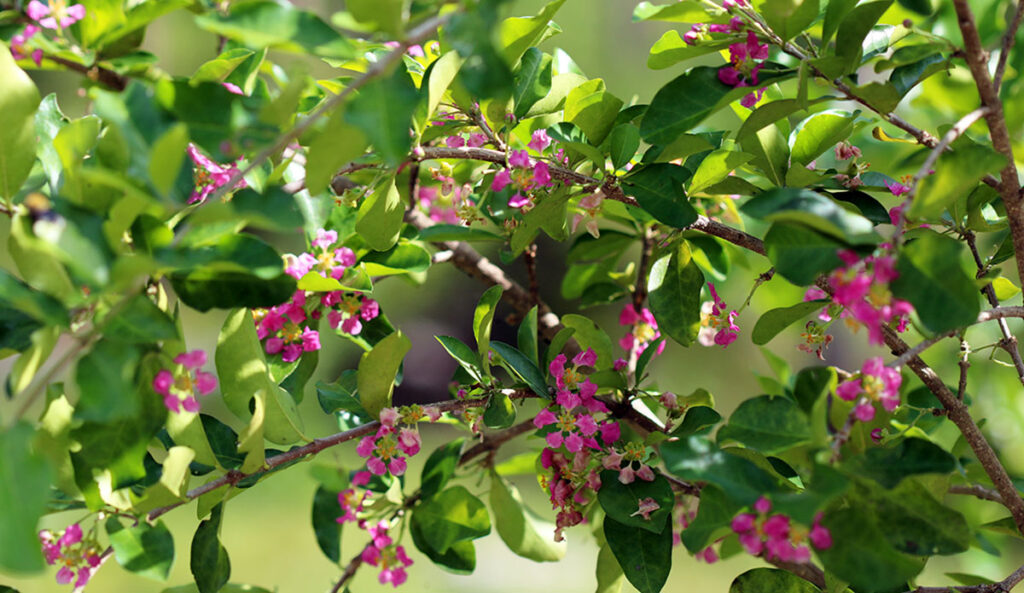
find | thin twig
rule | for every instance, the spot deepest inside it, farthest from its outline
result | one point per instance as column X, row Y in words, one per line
column 976, row 491
column 1009, row 341
column 95, row 73
column 1009, row 38
column 1003, row 586
column 965, row 364
column 530, row 260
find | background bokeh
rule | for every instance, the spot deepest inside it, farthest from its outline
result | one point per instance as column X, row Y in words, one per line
column 267, row 530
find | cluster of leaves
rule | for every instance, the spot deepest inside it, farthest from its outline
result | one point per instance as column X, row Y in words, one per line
column 465, row 132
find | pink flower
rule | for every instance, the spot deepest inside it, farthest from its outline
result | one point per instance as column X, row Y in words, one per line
column 233, row 88
column 476, row 140
column 645, row 507
column 324, row 238
column 539, row 140
column 455, row 141
column 191, row 360
column 162, row 382
column 205, row 383
column 520, row 159
column 65, row 575
column 846, row 151
column 58, row 15
column 644, row 331
column 501, row 180
column 519, row 201
column 541, row 175
column 209, row 176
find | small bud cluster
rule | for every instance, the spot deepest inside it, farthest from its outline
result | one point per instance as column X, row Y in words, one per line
column 284, row 329
column 717, row 322
column 845, row 151
column 875, row 383
column 776, row 537
column 180, row 387
column 76, row 555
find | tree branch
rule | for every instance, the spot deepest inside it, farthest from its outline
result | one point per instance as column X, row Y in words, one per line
column 1009, row 341
column 1009, row 38
column 95, row 73
column 1003, row 586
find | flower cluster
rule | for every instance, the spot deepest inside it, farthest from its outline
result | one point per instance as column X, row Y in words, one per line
column 525, row 174
column 573, row 452
column 845, row 151
column 19, row 41
column 862, row 288
column 180, row 387
column 744, row 66
column 449, row 202
column 56, row 14
column 284, row 327
column 699, row 31
column 776, row 537
column 75, row 555
column 875, row 383
column 643, row 332
column 717, row 322
column 209, row 176
column 590, row 206
column 387, row 449
column 382, row 551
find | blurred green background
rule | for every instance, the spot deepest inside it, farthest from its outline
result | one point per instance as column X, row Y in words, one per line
column 267, row 530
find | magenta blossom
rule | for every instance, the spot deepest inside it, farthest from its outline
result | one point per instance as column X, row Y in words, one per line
column 776, row 537
column 180, row 387
column 744, row 66
column 383, row 552
column 539, row 140
column 644, row 331
column 718, row 322
column 862, row 288
column 876, row 383
column 209, row 176
column 56, row 14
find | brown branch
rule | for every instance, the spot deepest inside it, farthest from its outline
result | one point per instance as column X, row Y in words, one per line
column 1009, row 184
column 1003, row 586
column 530, row 260
column 1009, row 38
column 964, row 364
column 807, row 571
column 1009, row 341
column 976, row 491
column 95, row 73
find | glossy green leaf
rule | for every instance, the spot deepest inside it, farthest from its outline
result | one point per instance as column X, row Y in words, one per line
column 167, row 156
column 715, row 167
column 811, row 384
column 775, row 321
column 775, row 580
column 451, row 516
column 459, row 558
column 380, row 217
column 383, row 110
column 908, row 457
column 403, row 258
column 17, row 295
column 18, row 105
column 377, row 371
column 339, row 144
column 450, row 232
column 645, row 557
column 770, row 151
column 326, row 512
column 463, row 354
column 673, row 287
column 526, row 336
column 386, row 15
column 933, row 280
column 440, row 468
column 241, row 367
column 106, row 382
column 589, row 335
column 670, row 49
column 684, row 11
column 500, row 411
column 146, row 550
column 789, row 18
column 140, row 322
column 23, row 494
column 767, row 424
column 819, row 132
column 483, row 316
column 956, row 174
column 609, row 573
column 210, row 564
column 658, row 188
column 523, row 367
column 714, row 514
column 592, row 109
column 854, row 27
column 280, row 26
column 800, row 254
column 522, row 531
column 681, row 104
column 532, row 81
column 812, row 209
column 519, row 33
column 441, row 75
column 696, row 458
column 915, row 522
column 623, row 144
column 861, row 556
column 622, row 501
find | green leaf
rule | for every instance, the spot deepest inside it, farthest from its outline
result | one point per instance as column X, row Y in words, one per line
column 522, row 531
column 861, row 556
column 759, row 580
column 811, row 383
column 440, row 468
column 524, row 367
column 767, row 424
column 167, row 156
column 800, row 254
column 24, row 490
column 403, row 258
column 386, row 15
column 383, row 110
column 915, row 522
column 377, row 371
column 623, row 144
column 500, row 412
column 205, row 288
column 442, row 74
column 933, row 280
column 673, row 289
column 241, row 367
column 609, row 573
column 326, row 512
column 16, row 295
column 684, row 11
column 532, row 81
column 380, row 217
column 519, row 33
column 279, row 26
column 956, row 174
column 771, row 152
column 210, row 564
column 696, row 458
column 670, row 49
column 811, row 209
column 228, row 588
column 592, row 109
column 774, row 321
column 463, row 354
column 460, row 558
column 106, row 381
column 715, row 513
column 622, row 501
column 716, row 167
column 18, row 105
column 854, row 28
column 788, row 18
column 483, row 316
column 450, row 232
column 645, row 557
column 451, row 516
column 588, row 335
column 339, row 144
column 526, row 338
column 911, row 456
column 658, row 188
column 140, row 322
column 146, row 550
column 819, row 132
